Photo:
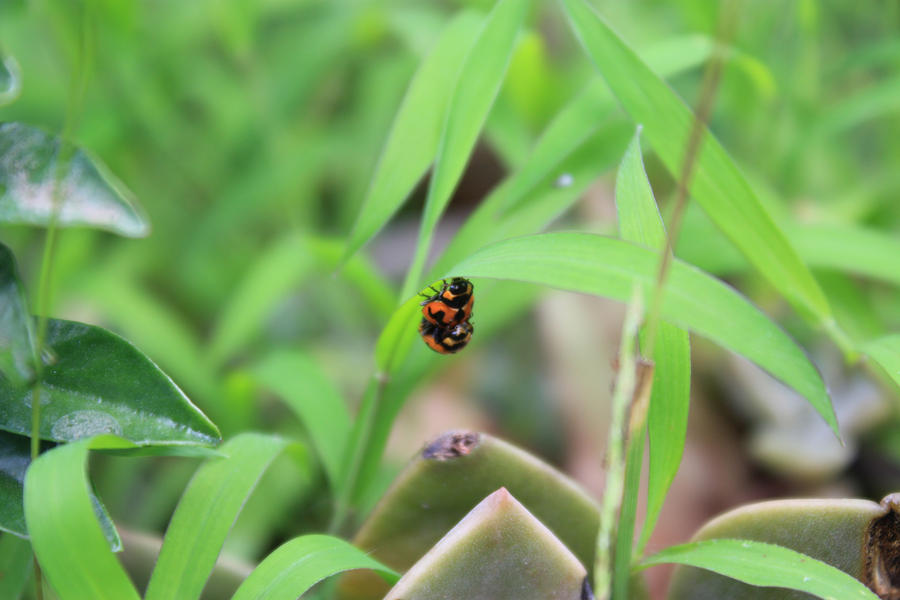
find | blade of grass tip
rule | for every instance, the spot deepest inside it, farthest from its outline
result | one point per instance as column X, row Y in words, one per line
column 615, row 468
column 719, row 186
column 413, row 141
column 640, row 221
column 762, row 564
column 476, row 89
column 295, row 566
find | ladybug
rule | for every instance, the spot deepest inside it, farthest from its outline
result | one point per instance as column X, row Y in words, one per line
column 446, row 340
column 450, row 305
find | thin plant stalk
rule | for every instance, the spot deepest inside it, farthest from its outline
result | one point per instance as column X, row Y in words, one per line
column 615, row 456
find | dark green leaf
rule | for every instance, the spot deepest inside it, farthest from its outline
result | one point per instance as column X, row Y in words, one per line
column 15, row 566
column 767, row 565
column 297, row 565
column 15, row 455
column 61, row 514
column 205, row 514
column 16, row 335
column 87, row 195
column 694, row 300
column 99, row 383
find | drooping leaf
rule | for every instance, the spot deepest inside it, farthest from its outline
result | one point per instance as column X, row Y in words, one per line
column 693, row 300
column 885, row 351
column 640, row 222
column 86, row 194
column 299, row 381
column 476, row 88
column 717, row 184
column 413, row 140
column 294, row 567
column 768, row 565
column 205, row 514
column 16, row 335
column 99, row 383
column 61, row 514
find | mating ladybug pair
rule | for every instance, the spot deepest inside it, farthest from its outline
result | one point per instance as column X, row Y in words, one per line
column 445, row 325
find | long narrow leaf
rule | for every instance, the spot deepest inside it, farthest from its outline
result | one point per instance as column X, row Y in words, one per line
column 717, row 185
column 640, row 222
column 886, row 352
column 70, row 544
column 294, row 567
column 205, row 514
column 762, row 564
column 694, row 300
column 413, row 140
column 476, row 88
column 314, row 399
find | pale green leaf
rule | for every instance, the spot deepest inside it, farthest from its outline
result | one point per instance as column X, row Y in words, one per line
column 300, row 382
column 717, row 184
column 207, row 510
column 640, row 222
column 470, row 101
column 768, row 565
column 413, row 140
column 885, row 351
column 693, row 300
column 294, row 567
column 61, row 514
column 86, row 194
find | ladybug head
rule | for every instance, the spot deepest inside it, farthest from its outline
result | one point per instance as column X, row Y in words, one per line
column 459, row 286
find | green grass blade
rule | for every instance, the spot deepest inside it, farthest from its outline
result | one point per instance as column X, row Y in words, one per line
column 718, row 186
column 762, row 564
column 15, row 566
column 471, row 100
column 848, row 248
column 89, row 196
column 70, row 544
column 693, row 300
column 300, row 382
column 16, row 328
column 885, row 351
column 413, row 140
column 640, row 222
column 294, row 567
column 207, row 510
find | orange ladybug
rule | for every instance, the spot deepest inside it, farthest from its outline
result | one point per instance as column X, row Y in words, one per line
column 446, row 340
column 450, row 305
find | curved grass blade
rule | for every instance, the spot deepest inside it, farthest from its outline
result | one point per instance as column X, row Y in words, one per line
column 640, row 222
column 299, row 381
column 718, row 186
column 207, row 510
column 886, row 352
column 15, row 566
column 99, row 383
column 16, row 329
column 471, row 100
column 294, row 567
column 89, row 195
column 61, row 514
column 768, row 565
column 693, row 300
column 413, row 140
